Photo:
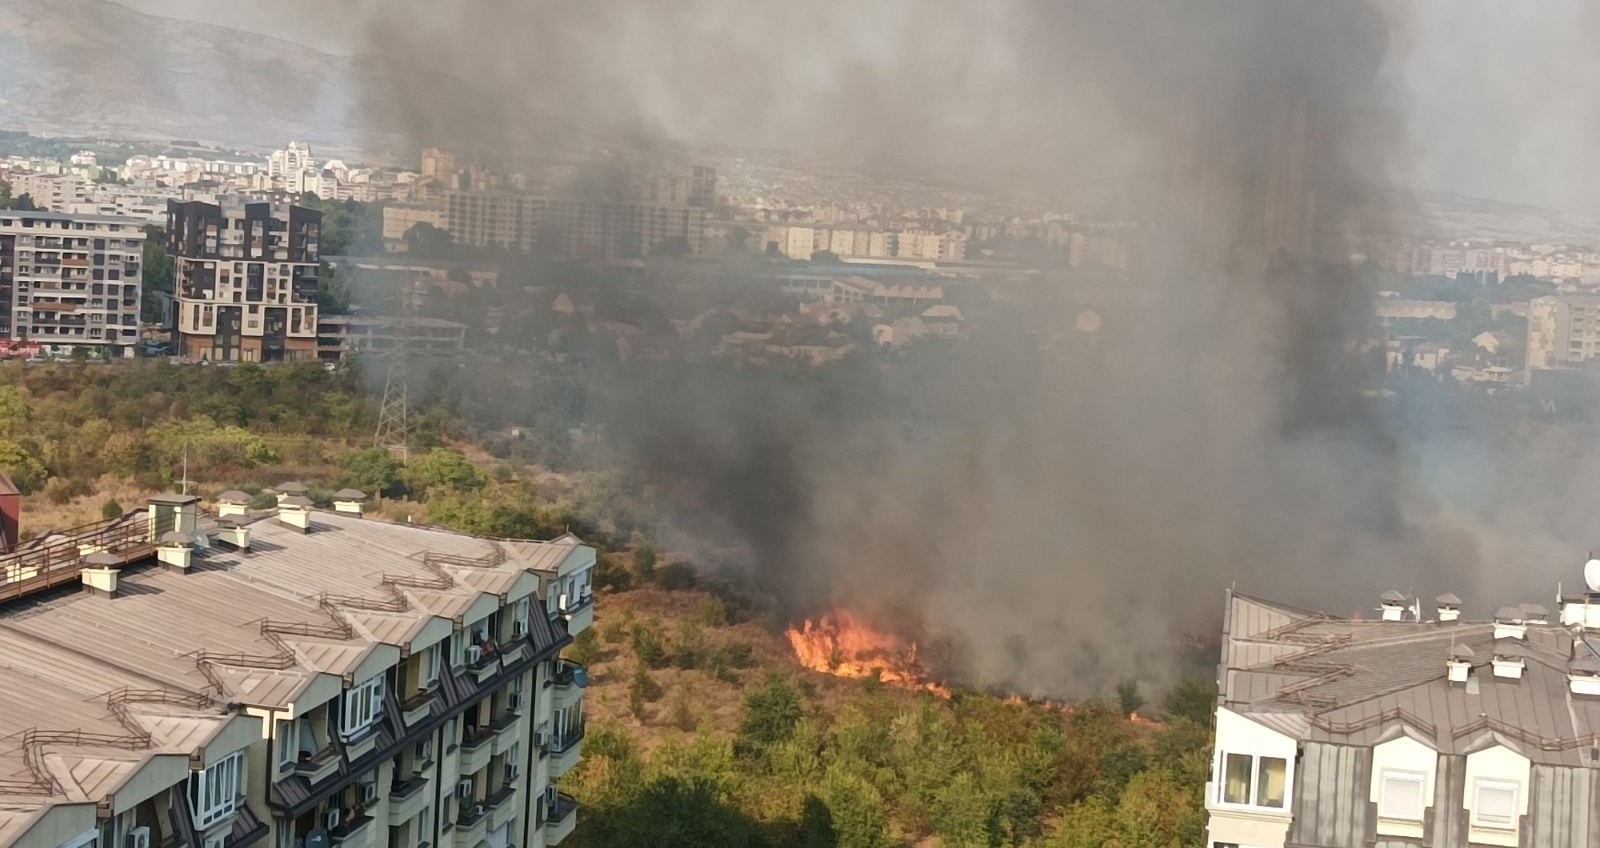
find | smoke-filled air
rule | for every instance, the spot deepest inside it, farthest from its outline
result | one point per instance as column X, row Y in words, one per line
column 1048, row 514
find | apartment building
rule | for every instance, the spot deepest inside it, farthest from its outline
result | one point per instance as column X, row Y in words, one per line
column 70, row 281
column 246, row 280
column 1405, row 730
column 340, row 336
column 292, row 678
column 589, row 229
column 1563, row 331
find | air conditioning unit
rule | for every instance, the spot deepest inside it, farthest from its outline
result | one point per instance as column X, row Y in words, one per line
column 369, row 793
column 217, row 841
column 511, row 771
column 562, row 604
column 514, row 702
column 474, row 653
column 464, row 789
column 331, row 820
column 540, row 739
column 139, row 837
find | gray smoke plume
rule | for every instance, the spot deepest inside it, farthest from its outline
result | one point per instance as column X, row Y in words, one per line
column 1052, row 522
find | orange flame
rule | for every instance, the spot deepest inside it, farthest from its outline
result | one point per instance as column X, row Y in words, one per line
column 844, row 646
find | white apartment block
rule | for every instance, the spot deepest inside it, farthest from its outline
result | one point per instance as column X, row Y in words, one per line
column 1402, row 731
column 70, row 281
column 1563, row 332
column 288, row 678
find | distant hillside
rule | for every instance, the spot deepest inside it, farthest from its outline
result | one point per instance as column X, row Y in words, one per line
column 93, row 67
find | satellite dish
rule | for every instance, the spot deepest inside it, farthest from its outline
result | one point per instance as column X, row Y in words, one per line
column 580, row 677
column 1591, row 574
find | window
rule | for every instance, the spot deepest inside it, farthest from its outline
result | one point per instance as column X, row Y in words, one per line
column 1254, row 781
column 214, row 793
column 520, row 619
column 458, row 649
column 431, row 664
column 1402, row 795
column 1495, row 804
column 362, row 706
column 288, row 750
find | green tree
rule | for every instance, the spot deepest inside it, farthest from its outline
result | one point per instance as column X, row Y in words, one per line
column 426, row 240
column 644, row 562
column 643, row 689
column 442, row 469
column 770, row 713
column 111, row 509
column 1128, row 697
column 24, row 469
column 858, row 812
column 373, row 471
column 1193, row 698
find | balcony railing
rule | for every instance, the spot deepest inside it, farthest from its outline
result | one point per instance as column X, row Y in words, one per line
column 558, row 810
column 569, row 673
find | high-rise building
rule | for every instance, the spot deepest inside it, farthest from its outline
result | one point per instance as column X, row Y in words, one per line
column 703, row 187
column 573, row 226
column 1418, row 726
column 70, row 281
column 287, row 679
column 246, row 280
column 439, row 164
column 1563, row 331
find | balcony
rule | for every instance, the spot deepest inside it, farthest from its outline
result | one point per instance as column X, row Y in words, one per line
column 579, row 616
column 319, row 766
column 569, row 678
column 471, row 824
column 487, row 665
column 565, row 752
column 362, row 744
column 351, row 832
column 502, row 806
column 476, row 747
column 406, row 799
column 506, row 732
column 560, row 818
column 417, row 708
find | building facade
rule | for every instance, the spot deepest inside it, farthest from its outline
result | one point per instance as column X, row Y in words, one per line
column 70, row 281
column 1563, row 331
column 246, row 280
column 340, row 336
column 290, row 678
column 1401, row 730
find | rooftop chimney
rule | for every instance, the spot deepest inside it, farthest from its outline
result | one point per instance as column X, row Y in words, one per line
column 1449, row 608
column 1460, row 664
column 234, row 531
column 1508, row 662
column 99, row 574
column 1510, row 624
column 349, row 501
column 232, row 502
column 1583, row 673
column 174, row 550
column 291, row 489
column 1393, row 605
column 174, row 512
column 295, row 511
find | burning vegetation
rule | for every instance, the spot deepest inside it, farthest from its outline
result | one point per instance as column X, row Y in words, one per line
column 843, row 645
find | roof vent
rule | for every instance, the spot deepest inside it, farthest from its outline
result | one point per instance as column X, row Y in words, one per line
column 234, row 531
column 232, row 502
column 349, row 501
column 1459, row 665
column 1509, row 623
column 1508, row 662
column 1583, row 674
column 99, row 573
column 295, row 511
column 291, row 489
column 1535, row 614
column 1393, row 605
column 1449, row 608
column 174, row 550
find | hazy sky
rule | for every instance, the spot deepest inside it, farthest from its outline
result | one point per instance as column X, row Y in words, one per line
column 1500, row 97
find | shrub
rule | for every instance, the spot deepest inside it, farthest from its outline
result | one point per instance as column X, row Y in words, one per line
column 644, row 562
column 649, row 645
column 642, row 690
column 676, row 577
column 585, row 648
column 111, row 509
column 1128, row 697
column 770, row 713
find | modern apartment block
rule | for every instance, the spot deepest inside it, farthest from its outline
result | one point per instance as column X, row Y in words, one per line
column 246, row 280
column 1401, row 731
column 69, row 281
column 291, row 678
column 1563, row 331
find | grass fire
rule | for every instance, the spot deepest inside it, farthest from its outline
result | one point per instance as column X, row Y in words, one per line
column 842, row 644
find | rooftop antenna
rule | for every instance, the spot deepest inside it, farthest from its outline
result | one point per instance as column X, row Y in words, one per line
column 394, row 414
column 185, row 490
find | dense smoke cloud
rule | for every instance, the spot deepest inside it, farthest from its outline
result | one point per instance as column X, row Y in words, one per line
column 1052, row 522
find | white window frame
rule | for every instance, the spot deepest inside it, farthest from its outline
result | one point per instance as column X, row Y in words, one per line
column 458, row 649
column 1386, row 809
column 215, row 792
column 284, row 729
column 479, row 632
column 1498, row 785
column 1253, row 787
column 433, row 663
column 363, row 706
column 521, row 618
